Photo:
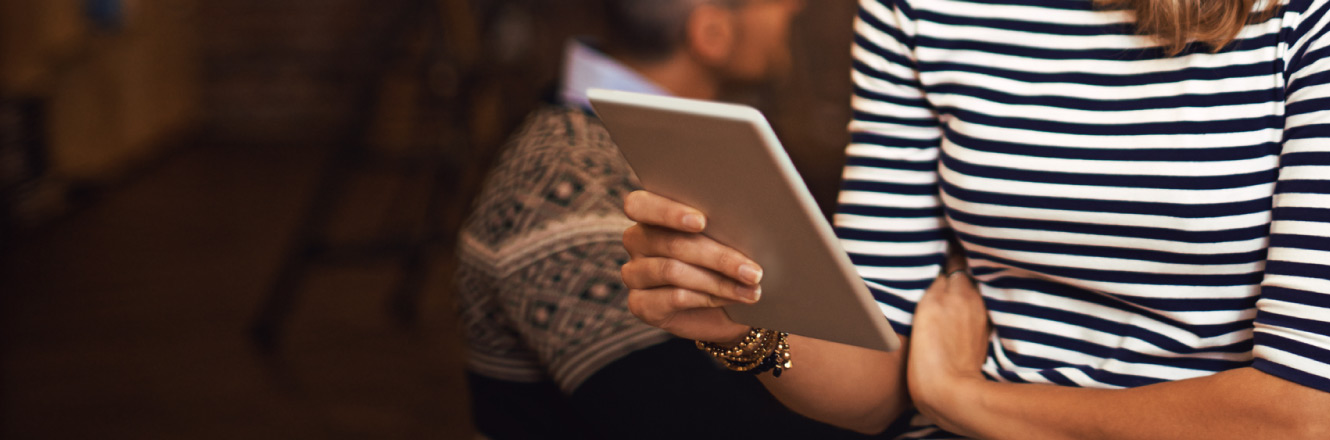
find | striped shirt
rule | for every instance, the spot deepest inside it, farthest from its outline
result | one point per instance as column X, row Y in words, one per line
column 1131, row 217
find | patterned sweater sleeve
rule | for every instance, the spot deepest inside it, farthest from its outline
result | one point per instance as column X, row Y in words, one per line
column 1292, row 329
column 889, row 217
column 494, row 347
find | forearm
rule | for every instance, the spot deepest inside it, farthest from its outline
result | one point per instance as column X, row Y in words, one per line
column 851, row 387
column 1238, row 404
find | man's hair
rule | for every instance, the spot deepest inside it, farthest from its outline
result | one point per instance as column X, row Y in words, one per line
column 650, row 29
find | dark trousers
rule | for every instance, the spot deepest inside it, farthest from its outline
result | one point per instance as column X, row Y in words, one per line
column 667, row 391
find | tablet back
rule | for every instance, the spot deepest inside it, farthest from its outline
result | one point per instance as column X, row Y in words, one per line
column 725, row 160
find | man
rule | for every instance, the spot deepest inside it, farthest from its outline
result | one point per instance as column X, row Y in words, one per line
column 553, row 350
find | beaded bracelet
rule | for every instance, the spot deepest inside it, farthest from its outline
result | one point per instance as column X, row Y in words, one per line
column 778, row 360
column 759, row 351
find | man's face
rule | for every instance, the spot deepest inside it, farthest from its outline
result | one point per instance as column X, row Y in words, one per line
column 762, row 46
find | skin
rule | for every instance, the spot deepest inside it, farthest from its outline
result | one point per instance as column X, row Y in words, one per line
column 724, row 47
column 679, row 279
column 950, row 344
column 763, row 32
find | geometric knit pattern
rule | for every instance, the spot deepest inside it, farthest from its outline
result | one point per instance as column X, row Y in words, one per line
column 1131, row 217
column 539, row 290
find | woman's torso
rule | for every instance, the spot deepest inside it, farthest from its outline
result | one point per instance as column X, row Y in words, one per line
column 1115, row 203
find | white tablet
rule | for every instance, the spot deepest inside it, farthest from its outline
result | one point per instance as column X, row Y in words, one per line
column 725, row 160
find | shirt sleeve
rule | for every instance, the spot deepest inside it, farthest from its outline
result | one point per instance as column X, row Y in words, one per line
column 889, row 216
column 494, row 347
column 1292, row 328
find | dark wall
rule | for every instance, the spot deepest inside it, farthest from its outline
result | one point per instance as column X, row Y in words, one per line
column 811, row 113
column 294, row 71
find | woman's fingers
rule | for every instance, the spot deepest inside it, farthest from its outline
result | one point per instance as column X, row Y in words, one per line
column 652, row 272
column 657, row 306
column 648, row 241
column 680, row 279
column 685, row 313
column 652, row 209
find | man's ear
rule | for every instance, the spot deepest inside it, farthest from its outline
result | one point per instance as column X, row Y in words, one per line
column 711, row 34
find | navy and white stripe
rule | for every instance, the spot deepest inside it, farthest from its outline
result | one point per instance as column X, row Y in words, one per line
column 1132, row 218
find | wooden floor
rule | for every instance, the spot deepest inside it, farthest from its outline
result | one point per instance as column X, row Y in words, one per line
column 127, row 320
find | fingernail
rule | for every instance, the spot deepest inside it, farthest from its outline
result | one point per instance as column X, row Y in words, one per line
column 750, row 273
column 750, row 294
column 694, row 221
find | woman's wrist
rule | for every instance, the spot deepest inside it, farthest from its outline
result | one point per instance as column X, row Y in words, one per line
column 759, row 351
column 954, row 399
column 734, row 341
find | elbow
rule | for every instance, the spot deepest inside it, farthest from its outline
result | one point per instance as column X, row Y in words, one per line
column 1314, row 428
column 871, row 422
column 865, row 419
column 869, row 427
column 1309, row 420
column 860, row 420
column 877, row 421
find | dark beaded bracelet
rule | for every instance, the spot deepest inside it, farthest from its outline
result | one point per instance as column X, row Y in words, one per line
column 778, row 360
column 768, row 363
column 760, row 351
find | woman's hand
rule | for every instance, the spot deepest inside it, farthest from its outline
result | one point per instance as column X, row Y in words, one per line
column 948, row 346
column 679, row 278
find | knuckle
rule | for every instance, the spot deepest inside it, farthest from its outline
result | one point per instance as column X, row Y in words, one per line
column 626, row 274
column 635, row 303
column 639, row 306
column 671, row 270
column 729, row 262
column 629, row 235
column 679, row 298
column 673, row 246
column 631, row 202
column 633, row 238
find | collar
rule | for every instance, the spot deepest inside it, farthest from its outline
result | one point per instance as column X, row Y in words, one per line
column 585, row 67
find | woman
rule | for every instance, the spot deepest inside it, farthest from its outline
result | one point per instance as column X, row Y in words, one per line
column 1142, row 192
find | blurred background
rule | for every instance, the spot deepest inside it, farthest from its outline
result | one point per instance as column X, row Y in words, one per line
column 235, row 219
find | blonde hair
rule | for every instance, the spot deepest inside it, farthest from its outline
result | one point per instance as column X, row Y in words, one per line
column 1177, row 23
